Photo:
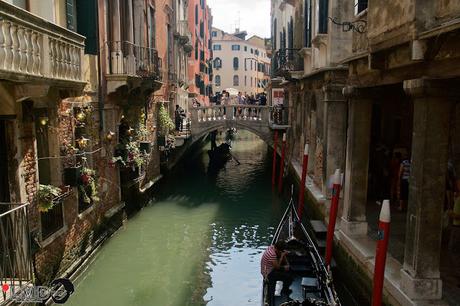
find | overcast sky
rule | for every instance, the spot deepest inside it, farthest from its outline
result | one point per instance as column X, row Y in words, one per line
column 253, row 15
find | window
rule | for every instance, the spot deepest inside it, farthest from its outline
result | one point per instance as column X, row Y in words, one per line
column 52, row 220
column 291, row 39
column 214, row 34
column 256, row 52
column 201, row 29
column 251, row 64
column 235, row 63
column 196, row 14
column 217, row 47
column 236, row 80
column 235, row 47
column 360, row 5
column 196, row 50
column 252, row 51
column 245, row 65
column 245, row 48
column 151, row 27
column 70, row 14
column 217, row 63
column 217, row 80
column 275, row 33
column 307, row 18
column 322, row 18
column 251, row 81
column 245, row 80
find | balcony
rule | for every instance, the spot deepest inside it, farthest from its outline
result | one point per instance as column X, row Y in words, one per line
column 128, row 62
column 33, row 49
column 16, row 263
column 183, row 33
column 287, row 63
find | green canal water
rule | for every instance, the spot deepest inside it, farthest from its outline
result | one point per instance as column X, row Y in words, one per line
column 198, row 242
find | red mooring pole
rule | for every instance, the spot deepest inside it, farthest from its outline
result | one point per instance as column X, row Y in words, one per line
column 302, row 182
column 333, row 215
column 381, row 253
column 283, row 154
column 275, row 143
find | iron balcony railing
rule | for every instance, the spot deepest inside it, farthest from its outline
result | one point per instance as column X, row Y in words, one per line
column 16, row 263
column 286, row 61
column 126, row 58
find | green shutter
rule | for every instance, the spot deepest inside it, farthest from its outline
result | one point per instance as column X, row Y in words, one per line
column 87, row 24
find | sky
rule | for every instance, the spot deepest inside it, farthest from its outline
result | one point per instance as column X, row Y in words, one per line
column 253, row 16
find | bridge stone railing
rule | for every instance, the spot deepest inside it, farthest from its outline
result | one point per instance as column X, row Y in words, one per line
column 258, row 119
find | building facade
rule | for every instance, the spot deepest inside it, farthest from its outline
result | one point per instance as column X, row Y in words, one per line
column 365, row 82
column 87, row 92
column 199, row 68
column 239, row 63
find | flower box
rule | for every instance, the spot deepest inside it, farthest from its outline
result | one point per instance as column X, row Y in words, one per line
column 72, row 176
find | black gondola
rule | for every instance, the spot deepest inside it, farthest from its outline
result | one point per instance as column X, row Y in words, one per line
column 312, row 282
column 220, row 155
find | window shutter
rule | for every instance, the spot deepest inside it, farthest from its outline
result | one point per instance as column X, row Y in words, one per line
column 307, row 19
column 87, row 24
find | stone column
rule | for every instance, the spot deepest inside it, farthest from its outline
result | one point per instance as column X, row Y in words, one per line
column 433, row 100
column 115, row 46
column 336, row 134
column 357, row 161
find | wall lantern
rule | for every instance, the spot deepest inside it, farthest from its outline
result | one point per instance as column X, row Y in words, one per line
column 81, row 116
column 109, row 136
column 358, row 26
column 43, row 120
column 82, row 142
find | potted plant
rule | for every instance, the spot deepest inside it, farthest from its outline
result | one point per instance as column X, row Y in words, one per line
column 46, row 197
column 164, row 120
column 88, row 186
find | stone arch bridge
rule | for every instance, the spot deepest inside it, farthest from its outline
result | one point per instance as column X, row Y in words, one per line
column 260, row 120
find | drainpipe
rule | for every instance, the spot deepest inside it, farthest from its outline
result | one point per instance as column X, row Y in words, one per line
column 99, row 74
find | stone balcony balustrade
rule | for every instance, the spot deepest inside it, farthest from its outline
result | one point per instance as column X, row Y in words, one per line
column 33, row 49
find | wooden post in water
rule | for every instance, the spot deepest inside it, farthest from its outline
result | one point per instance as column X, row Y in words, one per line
column 283, row 154
column 302, row 182
column 381, row 253
column 333, row 216
column 275, row 143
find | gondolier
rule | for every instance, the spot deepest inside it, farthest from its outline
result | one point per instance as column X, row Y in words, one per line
column 309, row 282
column 274, row 267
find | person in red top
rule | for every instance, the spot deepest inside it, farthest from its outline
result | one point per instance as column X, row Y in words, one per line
column 274, row 267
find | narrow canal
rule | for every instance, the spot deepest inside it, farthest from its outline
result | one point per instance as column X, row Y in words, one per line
column 198, row 242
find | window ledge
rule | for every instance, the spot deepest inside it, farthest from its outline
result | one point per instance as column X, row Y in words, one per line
column 83, row 214
column 53, row 237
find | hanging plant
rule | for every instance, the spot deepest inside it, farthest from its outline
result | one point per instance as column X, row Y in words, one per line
column 164, row 120
column 128, row 155
column 88, row 186
column 46, row 197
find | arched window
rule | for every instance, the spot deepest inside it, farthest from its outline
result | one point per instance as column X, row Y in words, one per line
column 236, row 80
column 217, row 63
column 235, row 63
column 217, row 80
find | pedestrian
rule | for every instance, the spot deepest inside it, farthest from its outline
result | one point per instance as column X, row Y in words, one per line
column 177, row 117
column 404, row 176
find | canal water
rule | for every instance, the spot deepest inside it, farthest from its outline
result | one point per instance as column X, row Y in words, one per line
column 198, row 242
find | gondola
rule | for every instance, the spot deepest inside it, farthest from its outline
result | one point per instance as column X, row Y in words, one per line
column 220, row 155
column 311, row 280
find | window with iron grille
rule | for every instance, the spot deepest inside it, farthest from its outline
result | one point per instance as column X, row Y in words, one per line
column 236, row 63
column 217, row 63
column 323, row 14
column 236, row 80
column 307, row 19
column 360, row 5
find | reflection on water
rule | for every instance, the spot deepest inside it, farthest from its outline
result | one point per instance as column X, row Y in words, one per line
column 198, row 243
